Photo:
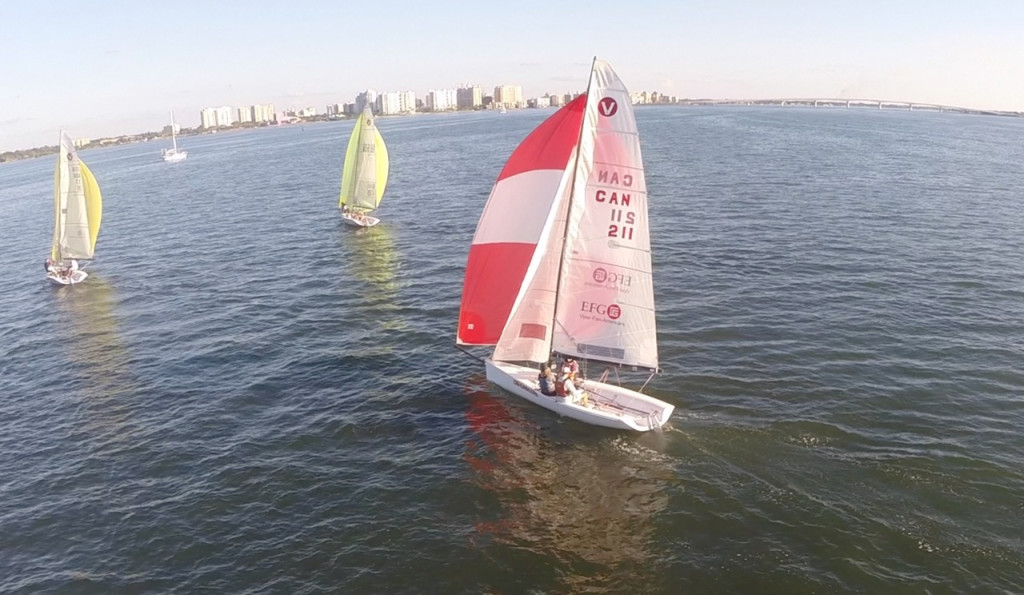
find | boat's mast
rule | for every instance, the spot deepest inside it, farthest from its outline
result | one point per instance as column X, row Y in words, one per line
column 174, row 138
column 62, row 203
column 568, row 210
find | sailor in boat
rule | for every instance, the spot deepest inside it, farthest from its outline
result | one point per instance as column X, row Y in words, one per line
column 574, row 368
column 547, row 381
column 62, row 270
column 569, row 390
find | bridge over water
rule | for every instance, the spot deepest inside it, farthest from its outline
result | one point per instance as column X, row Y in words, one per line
column 848, row 103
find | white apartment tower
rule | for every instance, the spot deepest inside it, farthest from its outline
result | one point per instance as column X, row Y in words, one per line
column 388, row 104
column 262, row 113
column 441, row 100
column 508, row 96
column 212, row 117
column 406, row 102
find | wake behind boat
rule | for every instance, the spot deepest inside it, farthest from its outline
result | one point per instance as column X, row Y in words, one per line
column 561, row 262
column 78, row 208
column 365, row 174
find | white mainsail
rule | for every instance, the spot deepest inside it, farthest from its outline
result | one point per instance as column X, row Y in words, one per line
column 606, row 292
column 71, row 232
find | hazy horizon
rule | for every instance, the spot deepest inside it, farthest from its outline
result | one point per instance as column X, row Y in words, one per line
column 123, row 67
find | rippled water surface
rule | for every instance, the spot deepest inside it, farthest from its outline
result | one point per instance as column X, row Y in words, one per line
column 247, row 397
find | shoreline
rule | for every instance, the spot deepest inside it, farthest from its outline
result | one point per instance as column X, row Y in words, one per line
column 34, row 152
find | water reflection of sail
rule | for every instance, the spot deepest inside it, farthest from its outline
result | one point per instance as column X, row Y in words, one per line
column 586, row 508
column 98, row 356
column 374, row 262
column 373, row 257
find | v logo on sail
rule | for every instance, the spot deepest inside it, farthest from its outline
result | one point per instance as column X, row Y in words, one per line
column 607, row 107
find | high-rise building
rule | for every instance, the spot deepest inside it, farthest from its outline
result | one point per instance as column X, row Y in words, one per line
column 406, row 102
column 469, row 97
column 388, row 104
column 262, row 113
column 396, row 102
column 245, row 114
column 367, row 97
column 440, row 100
column 212, row 117
column 508, row 96
column 208, row 117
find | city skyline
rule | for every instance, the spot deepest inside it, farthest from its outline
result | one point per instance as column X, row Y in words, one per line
column 133, row 64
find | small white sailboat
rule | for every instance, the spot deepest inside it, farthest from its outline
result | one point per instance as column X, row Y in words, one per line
column 173, row 154
column 78, row 208
column 561, row 261
column 365, row 174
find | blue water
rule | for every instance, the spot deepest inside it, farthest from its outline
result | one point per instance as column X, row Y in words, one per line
column 247, row 396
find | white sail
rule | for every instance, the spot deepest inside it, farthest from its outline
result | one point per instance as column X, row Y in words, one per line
column 174, row 136
column 527, row 334
column 72, row 230
column 606, row 295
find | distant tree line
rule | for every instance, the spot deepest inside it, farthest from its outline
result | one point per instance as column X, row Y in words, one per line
column 27, row 153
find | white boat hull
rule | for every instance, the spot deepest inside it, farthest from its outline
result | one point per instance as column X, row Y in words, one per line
column 76, row 277
column 608, row 405
column 364, row 221
column 172, row 156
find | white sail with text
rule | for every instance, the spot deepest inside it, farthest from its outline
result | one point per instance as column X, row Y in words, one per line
column 606, row 294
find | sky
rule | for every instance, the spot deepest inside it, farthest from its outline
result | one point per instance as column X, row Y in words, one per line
column 106, row 67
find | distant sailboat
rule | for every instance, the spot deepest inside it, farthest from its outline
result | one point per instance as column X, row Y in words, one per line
column 560, row 264
column 173, row 154
column 78, row 208
column 365, row 173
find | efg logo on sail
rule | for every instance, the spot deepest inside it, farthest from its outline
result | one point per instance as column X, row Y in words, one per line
column 608, row 311
column 602, row 277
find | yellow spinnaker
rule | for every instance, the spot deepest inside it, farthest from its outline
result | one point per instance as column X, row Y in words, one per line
column 93, row 204
column 365, row 174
